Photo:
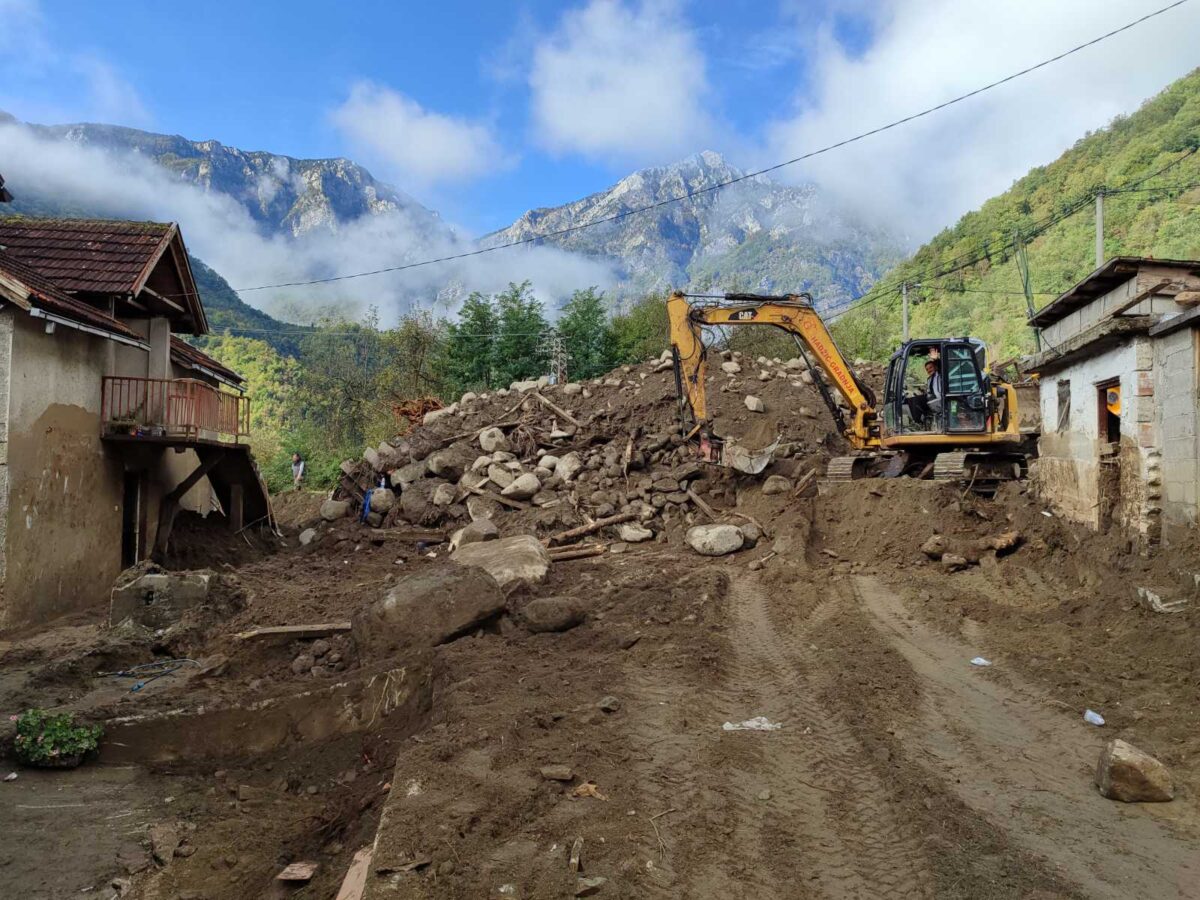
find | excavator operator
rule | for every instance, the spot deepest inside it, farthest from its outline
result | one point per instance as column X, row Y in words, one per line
column 926, row 407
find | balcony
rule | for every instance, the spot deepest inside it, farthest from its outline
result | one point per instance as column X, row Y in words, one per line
column 172, row 411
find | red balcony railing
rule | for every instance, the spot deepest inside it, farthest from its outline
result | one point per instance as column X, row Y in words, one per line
column 180, row 407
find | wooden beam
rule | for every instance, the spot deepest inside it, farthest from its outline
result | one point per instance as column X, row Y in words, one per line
column 283, row 633
column 165, row 301
column 571, row 533
column 170, row 502
column 1140, row 296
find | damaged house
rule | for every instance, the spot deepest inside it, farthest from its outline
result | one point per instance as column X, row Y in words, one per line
column 1119, row 386
column 109, row 421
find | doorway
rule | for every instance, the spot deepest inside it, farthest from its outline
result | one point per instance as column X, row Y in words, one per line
column 131, row 519
column 1108, row 409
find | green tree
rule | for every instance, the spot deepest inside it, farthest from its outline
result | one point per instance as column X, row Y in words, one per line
column 470, row 345
column 519, row 351
column 642, row 332
column 587, row 335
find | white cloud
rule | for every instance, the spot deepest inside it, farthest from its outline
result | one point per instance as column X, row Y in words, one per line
column 922, row 175
column 621, row 83
column 413, row 143
column 40, row 81
column 219, row 230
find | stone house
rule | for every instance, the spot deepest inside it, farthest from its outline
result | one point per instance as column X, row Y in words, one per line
column 109, row 421
column 1119, row 385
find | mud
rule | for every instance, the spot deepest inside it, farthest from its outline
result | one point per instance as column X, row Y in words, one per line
column 899, row 768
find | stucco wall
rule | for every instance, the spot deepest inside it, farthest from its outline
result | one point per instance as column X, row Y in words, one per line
column 1176, row 383
column 1069, row 470
column 62, row 544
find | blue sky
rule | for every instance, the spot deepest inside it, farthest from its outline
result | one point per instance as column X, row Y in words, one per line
column 270, row 75
column 482, row 110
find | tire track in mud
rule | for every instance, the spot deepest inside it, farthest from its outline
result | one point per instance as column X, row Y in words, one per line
column 831, row 829
column 1004, row 751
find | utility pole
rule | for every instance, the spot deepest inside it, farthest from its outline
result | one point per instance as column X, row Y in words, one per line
column 1099, row 228
column 904, row 300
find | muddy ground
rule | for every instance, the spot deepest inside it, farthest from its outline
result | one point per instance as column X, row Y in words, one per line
column 898, row 769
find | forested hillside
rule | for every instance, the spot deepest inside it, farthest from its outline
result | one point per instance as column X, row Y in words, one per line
column 1149, row 169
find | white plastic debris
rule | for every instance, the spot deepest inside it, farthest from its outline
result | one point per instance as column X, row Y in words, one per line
column 1047, row 514
column 11, row 776
column 758, row 723
column 1092, row 717
column 980, row 661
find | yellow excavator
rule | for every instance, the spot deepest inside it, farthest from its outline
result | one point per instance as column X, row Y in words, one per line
column 944, row 414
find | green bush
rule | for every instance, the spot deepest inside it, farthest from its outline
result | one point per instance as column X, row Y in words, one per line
column 44, row 738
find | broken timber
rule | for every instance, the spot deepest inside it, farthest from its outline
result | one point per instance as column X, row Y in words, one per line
column 555, row 408
column 293, row 632
column 562, row 554
column 571, row 533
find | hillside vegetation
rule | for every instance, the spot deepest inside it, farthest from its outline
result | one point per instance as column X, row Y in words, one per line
column 1158, row 216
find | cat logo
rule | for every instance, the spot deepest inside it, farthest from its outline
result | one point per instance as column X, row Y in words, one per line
column 1112, row 399
column 744, row 314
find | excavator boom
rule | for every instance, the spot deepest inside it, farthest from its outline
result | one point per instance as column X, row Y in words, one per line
column 793, row 313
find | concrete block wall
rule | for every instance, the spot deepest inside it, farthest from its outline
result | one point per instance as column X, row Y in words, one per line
column 1069, row 465
column 1177, row 386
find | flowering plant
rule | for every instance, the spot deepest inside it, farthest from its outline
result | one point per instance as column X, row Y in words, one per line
column 46, row 739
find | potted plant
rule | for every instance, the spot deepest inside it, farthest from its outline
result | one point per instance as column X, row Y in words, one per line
column 52, row 741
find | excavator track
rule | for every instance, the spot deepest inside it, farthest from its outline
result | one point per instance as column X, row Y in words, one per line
column 847, row 468
column 981, row 471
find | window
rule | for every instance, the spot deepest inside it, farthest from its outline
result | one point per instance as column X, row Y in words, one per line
column 1064, row 405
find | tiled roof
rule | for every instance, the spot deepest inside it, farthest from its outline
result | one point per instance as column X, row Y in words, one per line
column 188, row 356
column 109, row 257
column 45, row 296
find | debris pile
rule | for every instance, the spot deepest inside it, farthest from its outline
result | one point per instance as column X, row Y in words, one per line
column 604, row 458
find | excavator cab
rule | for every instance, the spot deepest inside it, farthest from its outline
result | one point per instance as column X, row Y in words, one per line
column 938, row 387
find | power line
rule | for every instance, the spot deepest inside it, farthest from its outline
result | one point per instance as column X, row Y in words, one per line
column 723, row 184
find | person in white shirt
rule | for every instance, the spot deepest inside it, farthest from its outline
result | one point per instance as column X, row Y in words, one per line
column 297, row 470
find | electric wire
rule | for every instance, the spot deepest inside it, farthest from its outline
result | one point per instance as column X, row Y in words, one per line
column 726, row 183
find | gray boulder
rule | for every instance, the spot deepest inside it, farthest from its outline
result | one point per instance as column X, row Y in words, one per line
column 522, row 487
column 478, row 530
column 382, row 500
column 1128, row 774
column 515, row 562
column 445, row 464
column 568, row 466
column 776, row 484
column 493, row 439
column 552, row 614
column 754, row 404
column 500, row 475
column 427, row 609
column 634, row 534
column 332, row 510
column 406, row 475
column 714, row 540
column 307, row 536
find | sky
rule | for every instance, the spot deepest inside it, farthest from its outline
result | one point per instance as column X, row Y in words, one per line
column 482, row 110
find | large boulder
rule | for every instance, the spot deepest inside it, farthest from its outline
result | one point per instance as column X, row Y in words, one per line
column 714, row 540
column 332, row 510
column 427, row 609
column 515, row 562
column 433, row 415
column 731, row 367
column 568, row 466
column 500, row 475
column 445, row 464
column 493, row 439
column 552, row 614
column 407, row 474
column 382, row 500
column 776, row 484
column 631, row 533
column 479, row 530
column 1132, row 775
column 522, row 487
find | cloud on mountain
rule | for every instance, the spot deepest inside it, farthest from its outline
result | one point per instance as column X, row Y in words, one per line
column 416, row 145
column 55, row 173
column 623, row 83
column 924, row 174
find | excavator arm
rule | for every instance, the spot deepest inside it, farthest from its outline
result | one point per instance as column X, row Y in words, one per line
column 794, row 314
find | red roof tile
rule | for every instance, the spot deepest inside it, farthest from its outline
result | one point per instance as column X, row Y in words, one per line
column 109, row 257
column 188, row 356
column 43, row 295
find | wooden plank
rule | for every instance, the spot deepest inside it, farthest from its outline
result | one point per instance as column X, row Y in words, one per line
column 1140, row 296
column 555, row 408
column 704, row 507
column 355, row 882
column 383, row 535
column 578, row 553
column 293, row 632
column 572, row 533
